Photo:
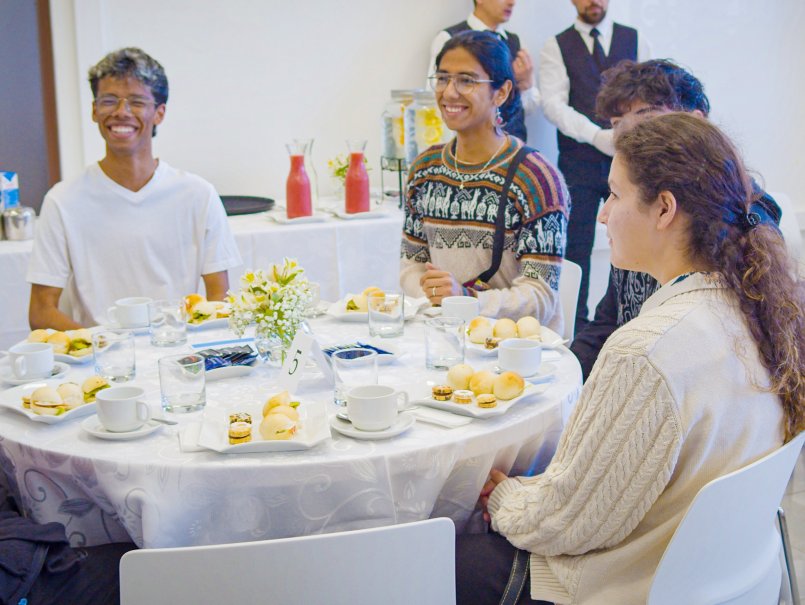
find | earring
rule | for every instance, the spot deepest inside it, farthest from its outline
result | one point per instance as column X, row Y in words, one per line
column 498, row 118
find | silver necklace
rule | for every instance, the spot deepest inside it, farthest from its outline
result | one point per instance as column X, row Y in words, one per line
column 462, row 177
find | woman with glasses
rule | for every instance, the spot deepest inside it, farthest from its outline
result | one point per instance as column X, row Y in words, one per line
column 458, row 238
column 707, row 379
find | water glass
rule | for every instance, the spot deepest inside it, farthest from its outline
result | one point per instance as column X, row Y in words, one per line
column 167, row 322
column 114, row 354
column 386, row 315
column 444, row 342
column 182, row 383
column 351, row 368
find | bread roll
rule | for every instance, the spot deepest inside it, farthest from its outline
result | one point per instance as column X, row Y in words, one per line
column 479, row 330
column 528, row 326
column 357, row 303
column 458, row 376
column 71, row 394
column 373, row 291
column 92, row 385
column 60, row 343
column 282, row 398
column 275, row 427
column 508, row 385
column 505, row 328
column 482, row 382
column 477, row 322
column 285, row 410
column 38, row 336
column 47, row 401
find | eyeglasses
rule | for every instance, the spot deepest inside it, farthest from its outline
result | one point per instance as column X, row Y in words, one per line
column 463, row 84
column 136, row 105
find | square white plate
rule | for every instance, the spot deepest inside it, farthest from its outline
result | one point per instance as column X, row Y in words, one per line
column 550, row 341
column 74, row 361
column 338, row 310
column 472, row 409
column 12, row 400
column 219, row 322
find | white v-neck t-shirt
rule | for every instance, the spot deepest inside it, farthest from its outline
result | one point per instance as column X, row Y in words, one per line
column 100, row 241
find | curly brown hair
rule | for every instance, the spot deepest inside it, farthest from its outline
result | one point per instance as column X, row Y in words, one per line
column 697, row 163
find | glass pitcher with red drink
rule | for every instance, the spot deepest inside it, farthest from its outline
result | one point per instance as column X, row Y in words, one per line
column 356, row 183
column 297, row 187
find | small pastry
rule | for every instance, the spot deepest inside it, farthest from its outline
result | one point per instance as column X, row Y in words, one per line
column 240, row 417
column 92, row 385
column 479, row 330
column 286, row 411
column 442, row 392
column 240, row 432
column 487, row 401
column 71, row 395
column 481, row 382
column 505, row 328
column 492, row 342
column 508, row 385
column 277, row 427
column 528, row 326
column 282, row 398
column 462, row 396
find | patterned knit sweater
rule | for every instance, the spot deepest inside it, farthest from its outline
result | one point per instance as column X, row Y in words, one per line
column 454, row 229
column 669, row 406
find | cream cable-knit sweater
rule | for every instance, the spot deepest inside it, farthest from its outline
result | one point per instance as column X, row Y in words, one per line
column 669, row 406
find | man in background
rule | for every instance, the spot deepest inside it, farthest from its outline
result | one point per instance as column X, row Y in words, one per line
column 490, row 15
column 632, row 92
column 129, row 225
column 571, row 65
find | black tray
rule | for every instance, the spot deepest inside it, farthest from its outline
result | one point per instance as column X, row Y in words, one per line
column 246, row 204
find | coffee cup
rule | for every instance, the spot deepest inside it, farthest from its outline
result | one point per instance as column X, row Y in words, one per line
column 131, row 312
column 31, row 360
column 374, row 407
column 520, row 355
column 463, row 307
column 122, row 409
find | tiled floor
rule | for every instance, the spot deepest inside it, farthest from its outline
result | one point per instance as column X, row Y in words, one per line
column 794, row 505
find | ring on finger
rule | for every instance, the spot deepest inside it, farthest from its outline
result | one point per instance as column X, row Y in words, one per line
column 433, row 291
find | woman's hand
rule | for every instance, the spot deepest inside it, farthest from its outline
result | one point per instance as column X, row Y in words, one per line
column 495, row 477
column 436, row 284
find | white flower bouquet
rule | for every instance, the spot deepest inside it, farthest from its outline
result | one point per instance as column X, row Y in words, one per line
column 274, row 300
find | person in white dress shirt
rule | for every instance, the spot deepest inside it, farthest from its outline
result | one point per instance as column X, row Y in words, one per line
column 491, row 15
column 129, row 225
column 571, row 65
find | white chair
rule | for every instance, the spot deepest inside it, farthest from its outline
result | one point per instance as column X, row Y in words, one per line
column 569, row 282
column 404, row 564
column 727, row 548
column 790, row 229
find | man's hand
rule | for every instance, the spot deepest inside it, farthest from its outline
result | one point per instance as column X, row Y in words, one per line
column 523, row 70
column 436, row 284
column 495, row 477
column 603, row 141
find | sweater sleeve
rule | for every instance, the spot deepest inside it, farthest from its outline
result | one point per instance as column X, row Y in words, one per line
column 614, row 459
column 414, row 252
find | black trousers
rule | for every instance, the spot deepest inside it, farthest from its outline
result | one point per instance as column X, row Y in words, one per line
column 483, row 568
column 96, row 581
column 587, row 184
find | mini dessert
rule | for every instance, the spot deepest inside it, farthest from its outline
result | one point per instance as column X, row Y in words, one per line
column 508, row 385
column 505, row 328
column 282, row 398
column 442, row 392
column 462, row 396
column 492, row 342
column 91, row 386
column 528, row 327
column 285, row 410
column 80, row 342
column 240, row 432
column 277, row 427
column 71, row 394
column 47, row 401
column 240, row 417
column 487, row 401
column 459, row 376
column 479, row 330
column 26, row 402
column 481, row 382
column 60, row 343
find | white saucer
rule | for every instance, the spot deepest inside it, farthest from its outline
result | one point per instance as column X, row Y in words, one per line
column 59, row 370
column 343, row 214
column 93, row 426
column 138, row 330
column 316, row 217
column 404, row 422
column 544, row 374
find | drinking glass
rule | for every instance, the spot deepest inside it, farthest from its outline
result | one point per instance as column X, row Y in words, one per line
column 114, row 354
column 444, row 342
column 386, row 315
column 182, row 383
column 353, row 367
column 167, row 322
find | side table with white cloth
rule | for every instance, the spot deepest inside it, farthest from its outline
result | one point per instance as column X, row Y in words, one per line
column 159, row 495
column 339, row 254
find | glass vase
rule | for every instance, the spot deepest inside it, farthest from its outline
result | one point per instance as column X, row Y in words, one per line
column 271, row 349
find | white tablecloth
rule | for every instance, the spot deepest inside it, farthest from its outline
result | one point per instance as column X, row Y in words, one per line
column 152, row 491
column 341, row 255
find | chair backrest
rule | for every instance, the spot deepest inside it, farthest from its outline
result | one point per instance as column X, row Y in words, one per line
column 569, row 283
column 726, row 549
column 789, row 225
column 408, row 563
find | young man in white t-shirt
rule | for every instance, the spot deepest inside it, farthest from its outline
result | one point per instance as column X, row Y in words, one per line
column 129, row 225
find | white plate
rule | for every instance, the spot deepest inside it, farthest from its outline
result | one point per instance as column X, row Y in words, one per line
column 59, row 370
column 472, row 409
column 73, row 361
column 550, row 341
column 544, row 374
column 138, row 330
column 228, row 372
column 214, row 435
column 12, row 400
column 282, row 218
column 403, row 423
column 93, row 426
column 220, row 322
column 343, row 214
column 338, row 309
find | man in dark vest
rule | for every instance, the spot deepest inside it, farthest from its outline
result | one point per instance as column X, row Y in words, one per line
column 490, row 15
column 570, row 71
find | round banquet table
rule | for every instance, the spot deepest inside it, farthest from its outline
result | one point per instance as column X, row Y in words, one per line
column 151, row 491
